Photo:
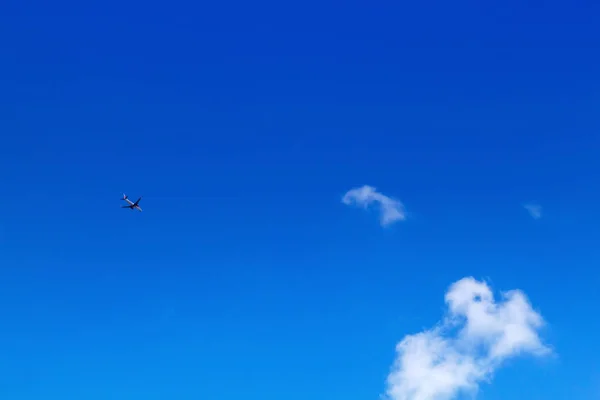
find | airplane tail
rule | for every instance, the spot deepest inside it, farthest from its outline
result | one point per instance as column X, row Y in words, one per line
column 124, row 196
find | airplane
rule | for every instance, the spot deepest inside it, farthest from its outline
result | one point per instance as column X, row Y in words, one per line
column 131, row 205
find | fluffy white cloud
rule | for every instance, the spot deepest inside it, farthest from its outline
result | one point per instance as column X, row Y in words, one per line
column 535, row 210
column 473, row 339
column 391, row 210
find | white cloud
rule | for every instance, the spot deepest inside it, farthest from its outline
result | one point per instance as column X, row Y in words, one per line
column 535, row 210
column 473, row 339
column 391, row 210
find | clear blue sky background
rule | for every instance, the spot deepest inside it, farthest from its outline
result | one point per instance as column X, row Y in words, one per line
column 242, row 124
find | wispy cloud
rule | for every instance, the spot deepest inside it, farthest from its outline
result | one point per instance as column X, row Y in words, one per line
column 391, row 210
column 473, row 339
column 534, row 209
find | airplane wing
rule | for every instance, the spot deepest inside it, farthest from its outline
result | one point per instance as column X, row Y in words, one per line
column 137, row 201
column 125, row 206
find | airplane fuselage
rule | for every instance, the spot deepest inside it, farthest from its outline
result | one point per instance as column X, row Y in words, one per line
column 131, row 204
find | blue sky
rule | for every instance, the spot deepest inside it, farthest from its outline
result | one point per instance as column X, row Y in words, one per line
column 243, row 125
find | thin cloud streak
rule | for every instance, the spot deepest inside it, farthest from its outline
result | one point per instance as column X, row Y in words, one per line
column 535, row 210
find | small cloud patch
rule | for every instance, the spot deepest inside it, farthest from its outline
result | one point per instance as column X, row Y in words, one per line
column 390, row 209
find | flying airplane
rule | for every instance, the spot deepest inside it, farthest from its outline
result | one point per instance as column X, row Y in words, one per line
column 131, row 205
